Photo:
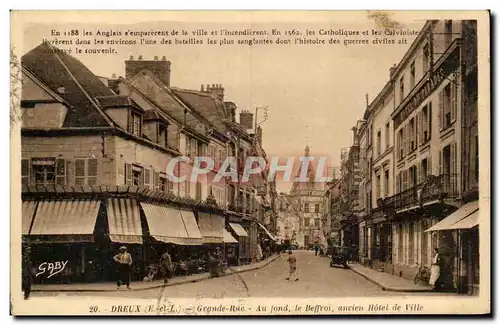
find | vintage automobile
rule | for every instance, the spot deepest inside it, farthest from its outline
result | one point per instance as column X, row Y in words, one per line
column 340, row 256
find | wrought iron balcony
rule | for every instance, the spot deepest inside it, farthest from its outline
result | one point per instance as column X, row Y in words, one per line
column 435, row 188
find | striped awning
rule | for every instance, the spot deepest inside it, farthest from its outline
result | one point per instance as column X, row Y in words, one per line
column 124, row 221
column 28, row 212
column 271, row 236
column 455, row 217
column 191, row 227
column 238, row 229
column 211, row 227
column 228, row 238
column 63, row 218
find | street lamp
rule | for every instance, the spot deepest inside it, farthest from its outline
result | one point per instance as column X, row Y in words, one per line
column 265, row 109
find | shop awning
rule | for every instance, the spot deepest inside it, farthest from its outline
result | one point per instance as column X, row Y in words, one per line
column 468, row 222
column 238, row 229
column 211, row 228
column 191, row 228
column 28, row 212
column 228, row 238
column 124, row 221
column 271, row 236
column 166, row 224
column 462, row 212
column 71, row 221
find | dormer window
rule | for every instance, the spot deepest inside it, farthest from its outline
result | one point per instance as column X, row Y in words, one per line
column 135, row 123
column 162, row 135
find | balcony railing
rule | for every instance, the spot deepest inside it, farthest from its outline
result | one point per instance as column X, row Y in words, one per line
column 443, row 186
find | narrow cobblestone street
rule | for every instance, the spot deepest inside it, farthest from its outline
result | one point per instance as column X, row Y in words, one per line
column 316, row 279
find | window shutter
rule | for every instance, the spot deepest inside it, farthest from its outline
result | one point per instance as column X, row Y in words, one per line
column 156, row 180
column 128, row 174
column 61, row 171
column 92, row 171
column 453, row 95
column 398, row 182
column 441, row 110
column 403, row 152
column 418, row 172
column 147, row 177
column 79, row 171
column 429, row 125
column 25, row 171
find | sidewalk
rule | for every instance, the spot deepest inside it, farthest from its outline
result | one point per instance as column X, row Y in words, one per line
column 139, row 285
column 389, row 282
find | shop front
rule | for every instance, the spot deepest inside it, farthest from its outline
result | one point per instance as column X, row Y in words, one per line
column 462, row 227
column 243, row 238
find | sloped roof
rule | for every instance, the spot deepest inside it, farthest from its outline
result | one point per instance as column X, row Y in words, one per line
column 157, row 93
column 205, row 104
column 57, row 70
column 114, row 101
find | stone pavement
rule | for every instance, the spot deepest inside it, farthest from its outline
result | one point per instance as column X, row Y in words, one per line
column 140, row 285
column 389, row 282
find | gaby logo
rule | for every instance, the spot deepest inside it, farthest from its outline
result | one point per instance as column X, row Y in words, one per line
column 51, row 268
column 181, row 169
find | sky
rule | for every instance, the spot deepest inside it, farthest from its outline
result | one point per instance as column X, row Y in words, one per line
column 314, row 93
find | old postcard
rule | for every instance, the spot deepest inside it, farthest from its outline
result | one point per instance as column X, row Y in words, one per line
column 250, row 163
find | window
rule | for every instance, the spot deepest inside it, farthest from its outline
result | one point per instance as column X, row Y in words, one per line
column 194, row 148
column 387, row 135
column 44, row 170
column 163, row 185
column 386, row 183
column 412, row 75
column 401, row 152
column 136, row 177
column 401, row 88
column 377, row 187
column 369, row 136
column 425, row 124
column 448, row 31
column 316, row 223
column 379, row 142
column 85, row 171
column 448, row 105
column 426, row 58
column 424, row 170
column 316, row 208
column 135, row 123
column 411, row 136
column 162, row 135
column 25, row 171
column 306, row 207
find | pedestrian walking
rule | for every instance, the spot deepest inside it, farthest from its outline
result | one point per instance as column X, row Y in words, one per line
column 435, row 270
column 316, row 249
column 166, row 266
column 27, row 273
column 123, row 264
column 292, row 263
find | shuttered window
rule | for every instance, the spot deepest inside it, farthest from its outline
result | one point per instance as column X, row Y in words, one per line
column 25, row 171
column 128, row 174
column 86, row 171
column 147, row 178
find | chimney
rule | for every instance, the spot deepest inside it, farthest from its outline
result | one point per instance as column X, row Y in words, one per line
column 392, row 70
column 161, row 69
column 217, row 90
column 259, row 135
column 202, row 88
column 246, row 119
column 230, row 111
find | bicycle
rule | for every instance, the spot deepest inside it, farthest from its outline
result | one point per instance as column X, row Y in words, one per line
column 423, row 274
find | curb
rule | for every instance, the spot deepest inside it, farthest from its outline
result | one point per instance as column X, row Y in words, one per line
column 203, row 278
column 385, row 288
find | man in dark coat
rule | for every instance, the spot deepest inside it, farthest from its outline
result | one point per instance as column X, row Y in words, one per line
column 166, row 266
column 27, row 273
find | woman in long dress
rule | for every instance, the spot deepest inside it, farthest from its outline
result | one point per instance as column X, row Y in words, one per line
column 435, row 269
